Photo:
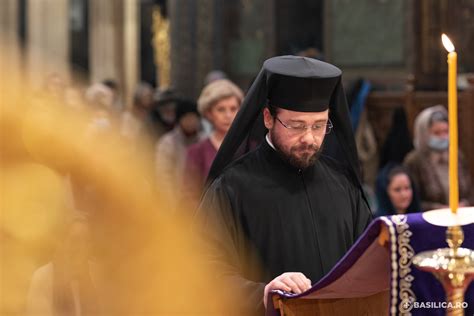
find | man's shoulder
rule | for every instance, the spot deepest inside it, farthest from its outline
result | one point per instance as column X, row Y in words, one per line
column 243, row 164
column 239, row 171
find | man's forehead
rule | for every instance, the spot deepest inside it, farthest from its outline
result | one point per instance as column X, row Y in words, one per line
column 303, row 116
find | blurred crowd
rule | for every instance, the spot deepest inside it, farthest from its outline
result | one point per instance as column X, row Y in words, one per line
column 97, row 198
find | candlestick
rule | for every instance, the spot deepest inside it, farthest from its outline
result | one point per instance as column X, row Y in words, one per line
column 453, row 266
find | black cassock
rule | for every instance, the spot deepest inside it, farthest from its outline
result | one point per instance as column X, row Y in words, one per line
column 262, row 212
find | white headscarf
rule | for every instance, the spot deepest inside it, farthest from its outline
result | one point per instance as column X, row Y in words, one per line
column 422, row 126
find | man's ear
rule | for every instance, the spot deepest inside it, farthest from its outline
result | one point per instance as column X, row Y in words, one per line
column 268, row 119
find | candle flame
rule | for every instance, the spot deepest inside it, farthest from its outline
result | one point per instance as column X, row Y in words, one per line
column 447, row 43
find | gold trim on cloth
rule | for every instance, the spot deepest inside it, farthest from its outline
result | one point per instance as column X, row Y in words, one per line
column 405, row 253
column 394, row 268
column 401, row 259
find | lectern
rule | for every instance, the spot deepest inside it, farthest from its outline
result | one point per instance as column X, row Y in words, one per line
column 377, row 276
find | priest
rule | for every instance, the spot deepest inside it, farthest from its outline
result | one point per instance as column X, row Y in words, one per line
column 284, row 200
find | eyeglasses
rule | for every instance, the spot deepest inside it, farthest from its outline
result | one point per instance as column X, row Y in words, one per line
column 301, row 128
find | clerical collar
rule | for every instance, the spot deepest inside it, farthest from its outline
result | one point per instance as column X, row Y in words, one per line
column 269, row 141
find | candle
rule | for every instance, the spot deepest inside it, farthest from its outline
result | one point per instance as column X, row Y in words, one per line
column 453, row 124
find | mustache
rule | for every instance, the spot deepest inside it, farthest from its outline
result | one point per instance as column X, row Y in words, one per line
column 307, row 147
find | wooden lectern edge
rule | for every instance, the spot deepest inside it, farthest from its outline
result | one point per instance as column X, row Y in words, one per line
column 382, row 240
column 372, row 305
column 278, row 303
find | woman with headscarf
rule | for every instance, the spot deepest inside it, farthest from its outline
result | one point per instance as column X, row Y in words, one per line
column 395, row 190
column 218, row 103
column 428, row 162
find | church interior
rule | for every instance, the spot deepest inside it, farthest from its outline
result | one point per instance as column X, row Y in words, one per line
column 393, row 64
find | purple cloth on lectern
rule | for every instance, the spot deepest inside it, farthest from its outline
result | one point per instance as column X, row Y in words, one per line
column 408, row 235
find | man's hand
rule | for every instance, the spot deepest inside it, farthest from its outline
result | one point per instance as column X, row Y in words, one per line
column 295, row 282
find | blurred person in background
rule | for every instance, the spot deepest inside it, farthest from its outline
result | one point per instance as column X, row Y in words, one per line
column 136, row 122
column 117, row 105
column 164, row 111
column 55, row 85
column 219, row 103
column 211, row 76
column 52, row 89
column 394, row 149
column 171, row 149
column 214, row 75
column 100, row 99
column 67, row 285
column 396, row 193
column 74, row 99
column 428, row 162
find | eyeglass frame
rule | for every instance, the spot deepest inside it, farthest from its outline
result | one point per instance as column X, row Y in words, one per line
column 303, row 130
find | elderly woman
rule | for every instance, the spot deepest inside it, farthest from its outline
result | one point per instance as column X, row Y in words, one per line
column 218, row 103
column 428, row 162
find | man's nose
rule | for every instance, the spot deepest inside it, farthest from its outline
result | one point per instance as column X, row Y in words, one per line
column 308, row 137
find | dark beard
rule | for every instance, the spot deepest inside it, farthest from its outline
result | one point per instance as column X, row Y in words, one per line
column 304, row 161
column 301, row 162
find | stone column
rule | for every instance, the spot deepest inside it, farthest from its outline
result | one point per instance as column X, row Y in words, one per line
column 114, row 44
column 131, row 38
column 8, row 19
column 9, row 45
column 205, row 43
column 270, row 28
column 47, row 40
column 182, row 16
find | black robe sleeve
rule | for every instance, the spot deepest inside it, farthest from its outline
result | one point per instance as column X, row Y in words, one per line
column 229, row 254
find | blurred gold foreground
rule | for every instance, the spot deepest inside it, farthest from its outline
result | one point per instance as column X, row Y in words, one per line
column 115, row 246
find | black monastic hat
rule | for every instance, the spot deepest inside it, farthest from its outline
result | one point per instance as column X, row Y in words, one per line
column 300, row 84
